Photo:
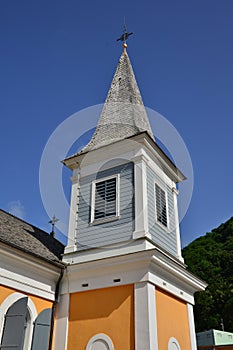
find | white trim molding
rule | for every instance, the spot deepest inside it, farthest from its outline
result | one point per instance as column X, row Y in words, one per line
column 27, row 274
column 74, row 203
column 93, row 192
column 62, row 322
column 142, row 263
column 141, row 202
column 143, row 140
column 191, row 327
column 177, row 226
column 100, row 338
column 145, row 317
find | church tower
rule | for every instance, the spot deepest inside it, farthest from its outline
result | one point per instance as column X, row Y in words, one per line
column 126, row 286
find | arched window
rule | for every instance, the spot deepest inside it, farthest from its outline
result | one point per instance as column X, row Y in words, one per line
column 14, row 328
column 173, row 344
column 41, row 332
column 100, row 342
column 14, row 303
column 20, row 326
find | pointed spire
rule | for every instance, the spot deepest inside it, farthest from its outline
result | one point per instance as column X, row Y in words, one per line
column 123, row 113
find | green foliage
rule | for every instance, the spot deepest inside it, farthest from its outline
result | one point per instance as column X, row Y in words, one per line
column 210, row 257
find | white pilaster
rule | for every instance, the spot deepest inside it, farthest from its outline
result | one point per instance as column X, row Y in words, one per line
column 71, row 246
column 177, row 225
column 141, row 212
column 145, row 317
column 61, row 325
column 191, row 327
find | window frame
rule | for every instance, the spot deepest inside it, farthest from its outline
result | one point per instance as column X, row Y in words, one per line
column 165, row 227
column 172, row 341
column 101, row 336
column 94, row 221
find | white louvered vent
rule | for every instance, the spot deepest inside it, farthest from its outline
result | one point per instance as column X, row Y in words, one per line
column 105, row 199
column 161, row 205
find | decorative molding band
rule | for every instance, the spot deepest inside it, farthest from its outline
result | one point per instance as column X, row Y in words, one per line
column 135, row 267
column 21, row 272
column 70, row 249
column 140, row 158
column 174, row 190
column 141, row 234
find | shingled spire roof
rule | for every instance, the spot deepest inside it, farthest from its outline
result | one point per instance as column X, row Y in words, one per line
column 123, row 113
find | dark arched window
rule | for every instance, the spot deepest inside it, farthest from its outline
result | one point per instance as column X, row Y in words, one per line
column 41, row 331
column 15, row 326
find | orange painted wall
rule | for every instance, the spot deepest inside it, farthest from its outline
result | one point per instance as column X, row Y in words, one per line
column 40, row 303
column 108, row 310
column 5, row 292
column 172, row 320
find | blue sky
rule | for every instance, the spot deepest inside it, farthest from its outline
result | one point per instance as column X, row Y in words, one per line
column 59, row 57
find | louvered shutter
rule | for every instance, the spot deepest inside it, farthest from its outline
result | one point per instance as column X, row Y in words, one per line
column 14, row 326
column 161, row 206
column 105, row 199
column 41, row 331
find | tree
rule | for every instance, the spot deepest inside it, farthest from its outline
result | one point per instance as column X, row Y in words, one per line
column 210, row 257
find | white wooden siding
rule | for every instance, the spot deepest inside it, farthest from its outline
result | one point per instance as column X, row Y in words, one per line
column 164, row 237
column 120, row 230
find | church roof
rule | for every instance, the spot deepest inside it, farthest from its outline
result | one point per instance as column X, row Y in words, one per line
column 123, row 113
column 28, row 238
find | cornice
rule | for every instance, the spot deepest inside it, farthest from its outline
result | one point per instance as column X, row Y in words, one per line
column 21, row 271
column 150, row 265
column 127, row 147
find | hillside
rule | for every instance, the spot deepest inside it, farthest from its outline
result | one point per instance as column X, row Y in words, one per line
column 210, row 257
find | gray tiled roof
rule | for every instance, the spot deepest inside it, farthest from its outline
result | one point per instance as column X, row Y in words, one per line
column 19, row 234
column 123, row 114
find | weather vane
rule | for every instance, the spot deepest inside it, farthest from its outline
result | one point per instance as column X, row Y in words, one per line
column 53, row 222
column 125, row 34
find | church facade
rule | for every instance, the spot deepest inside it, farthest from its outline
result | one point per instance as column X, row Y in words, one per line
column 122, row 280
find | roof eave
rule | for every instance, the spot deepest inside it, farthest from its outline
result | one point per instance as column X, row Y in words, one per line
column 173, row 170
column 57, row 263
column 73, row 161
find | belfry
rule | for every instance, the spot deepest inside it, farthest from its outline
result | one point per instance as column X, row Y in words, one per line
column 126, row 286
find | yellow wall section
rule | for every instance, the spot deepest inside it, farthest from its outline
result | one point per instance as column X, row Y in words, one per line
column 172, row 320
column 5, row 292
column 108, row 310
column 39, row 303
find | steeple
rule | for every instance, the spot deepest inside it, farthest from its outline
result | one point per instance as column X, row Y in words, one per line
column 123, row 113
column 124, row 264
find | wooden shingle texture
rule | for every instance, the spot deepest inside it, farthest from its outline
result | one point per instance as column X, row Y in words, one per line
column 28, row 238
column 123, row 113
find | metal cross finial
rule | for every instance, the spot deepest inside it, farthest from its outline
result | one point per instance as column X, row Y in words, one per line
column 53, row 222
column 125, row 35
